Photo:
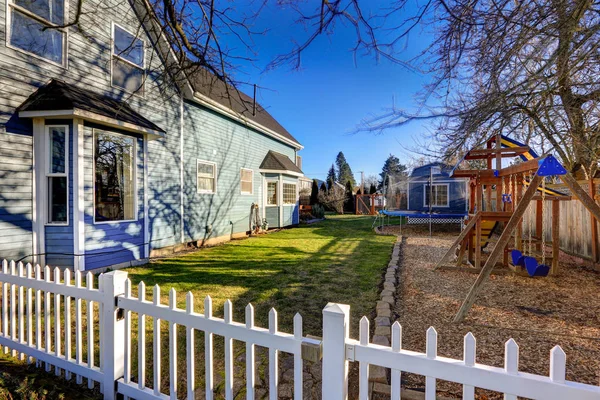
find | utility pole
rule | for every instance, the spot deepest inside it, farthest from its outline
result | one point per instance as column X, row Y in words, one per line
column 362, row 182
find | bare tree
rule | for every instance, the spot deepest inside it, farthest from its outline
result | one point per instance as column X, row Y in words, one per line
column 333, row 198
column 525, row 68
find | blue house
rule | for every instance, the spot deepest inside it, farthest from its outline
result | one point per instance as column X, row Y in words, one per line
column 432, row 181
column 108, row 159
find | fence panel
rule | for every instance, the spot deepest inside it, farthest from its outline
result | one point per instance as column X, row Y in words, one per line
column 49, row 342
column 575, row 232
column 59, row 300
column 508, row 380
column 187, row 319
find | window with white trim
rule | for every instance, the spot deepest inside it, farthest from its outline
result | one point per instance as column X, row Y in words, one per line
column 289, row 193
column 128, row 58
column 439, row 194
column 57, row 174
column 114, row 184
column 31, row 28
column 206, row 174
column 272, row 193
column 246, row 181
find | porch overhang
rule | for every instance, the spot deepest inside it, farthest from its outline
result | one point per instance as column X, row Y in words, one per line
column 279, row 171
column 58, row 100
column 277, row 163
column 93, row 117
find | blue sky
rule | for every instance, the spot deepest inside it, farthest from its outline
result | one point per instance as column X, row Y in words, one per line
column 322, row 103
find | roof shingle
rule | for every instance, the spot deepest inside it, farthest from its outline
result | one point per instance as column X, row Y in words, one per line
column 211, row 86
column 58, row 95
column 279, row 162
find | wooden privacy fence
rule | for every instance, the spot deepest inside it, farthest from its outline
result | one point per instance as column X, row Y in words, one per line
column 37, row 311
column 575, row 233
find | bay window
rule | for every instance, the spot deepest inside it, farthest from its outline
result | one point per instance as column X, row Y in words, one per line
column 57, row 170
column 114, row 185
column 272, row 193
column 32, row 28
column 289, row 193
column 127, row 61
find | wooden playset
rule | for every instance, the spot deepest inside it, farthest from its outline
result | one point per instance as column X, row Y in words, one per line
column 516, row 187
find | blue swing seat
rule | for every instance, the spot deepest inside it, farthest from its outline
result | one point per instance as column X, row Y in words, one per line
column 535, row 269
column 517, row 257
column 530, row 264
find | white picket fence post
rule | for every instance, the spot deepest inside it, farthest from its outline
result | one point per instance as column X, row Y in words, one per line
column 113, row 338
column 336, row 324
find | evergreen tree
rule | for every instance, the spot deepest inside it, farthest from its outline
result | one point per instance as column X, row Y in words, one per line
column 323, row 187
column 314, row 193
column 330, row 184
column 392, row 167
column 331, row 175
column 349, row 201
column 344, row 172
column 372, row 189
column 358, row 192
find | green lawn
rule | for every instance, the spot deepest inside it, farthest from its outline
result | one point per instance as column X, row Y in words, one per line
column 294, row 270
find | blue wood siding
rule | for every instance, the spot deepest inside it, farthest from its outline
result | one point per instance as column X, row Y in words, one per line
column 89, row 61
column 207, row 136
column 16, row 177
column 272, row 216
column 211, row 137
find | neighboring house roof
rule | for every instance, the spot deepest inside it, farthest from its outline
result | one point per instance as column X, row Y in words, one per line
column 423, row 170
column 274, row 161
column 59, row 96
column 209, row 85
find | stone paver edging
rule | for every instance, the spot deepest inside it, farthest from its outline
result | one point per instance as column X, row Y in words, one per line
column 378, row 376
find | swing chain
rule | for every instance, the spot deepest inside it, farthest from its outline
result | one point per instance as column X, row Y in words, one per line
column 543, row 221
column 513, row 194
column 530, row 220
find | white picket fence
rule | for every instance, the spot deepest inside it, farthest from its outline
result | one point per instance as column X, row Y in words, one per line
column 36, row 316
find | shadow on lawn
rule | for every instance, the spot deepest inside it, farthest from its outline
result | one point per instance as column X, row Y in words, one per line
column 295, row 270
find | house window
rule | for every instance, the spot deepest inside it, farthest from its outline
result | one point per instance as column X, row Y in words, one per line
column 127, row 61
column 57, row 170
column 114, row 189
column 272, row 193
column 439, row 194
column 246, row 181
column 28, row 23
column 207, row 177
column 289, row 193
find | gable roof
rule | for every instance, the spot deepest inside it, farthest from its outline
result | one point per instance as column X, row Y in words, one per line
column 59, row 96
column 208, row 85
column 274, row 161
column 424, row 169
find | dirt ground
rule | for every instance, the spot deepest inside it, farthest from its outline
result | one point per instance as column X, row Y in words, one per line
column 538, row 313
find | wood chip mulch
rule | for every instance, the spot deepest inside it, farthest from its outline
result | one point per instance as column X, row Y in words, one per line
column 538, row 313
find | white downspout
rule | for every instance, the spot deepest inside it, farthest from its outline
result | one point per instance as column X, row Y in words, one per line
column 182, row 235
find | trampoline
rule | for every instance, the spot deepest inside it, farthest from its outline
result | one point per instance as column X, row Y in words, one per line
column 420, row 217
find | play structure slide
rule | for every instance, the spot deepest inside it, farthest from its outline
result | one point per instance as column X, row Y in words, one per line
column 487, row 230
